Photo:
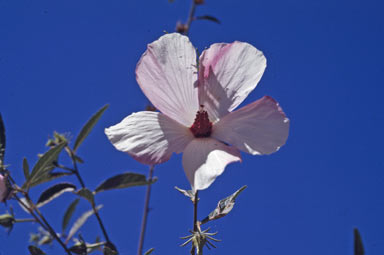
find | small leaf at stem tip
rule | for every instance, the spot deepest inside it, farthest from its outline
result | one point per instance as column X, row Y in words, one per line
column 149, row 251
column 87, row 194
column 110, row 249
column 124, row 180
column 187, row 193
column 46, row 177
column 2, row 141
column 80, row 222
column 208, row 17
column 87, row 128
column 45, row 163
column 25, row 168
column 53, row 192
column 68, row 214
column 223, row 207
column 359, row 248
column 35, row 251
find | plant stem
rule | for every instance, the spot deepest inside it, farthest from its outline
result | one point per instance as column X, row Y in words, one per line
column 195, row 227
column 50, row 229
column 190, row 18
column 77, row 173
column 146, row 210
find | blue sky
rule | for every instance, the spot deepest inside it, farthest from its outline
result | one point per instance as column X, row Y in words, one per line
column 61, row 61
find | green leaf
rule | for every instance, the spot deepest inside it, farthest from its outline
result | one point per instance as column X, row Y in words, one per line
column 68, row 214
column 109, row 251
column 79, row 248
column 46, row 177
column 88, row 127
column 2, row 140
column 80, row 222
column 124, row 180
column 87, row 194
column 210, row 18
column 53, row 192
column 149, row 251
column 26, row 168
column 35, row 251
column 45, row 163
column 223, row 207
column 359, row 248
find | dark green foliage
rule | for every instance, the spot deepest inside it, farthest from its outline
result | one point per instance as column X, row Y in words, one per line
column 88, row 127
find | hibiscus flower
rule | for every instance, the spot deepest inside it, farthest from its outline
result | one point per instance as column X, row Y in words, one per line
column 197, row 108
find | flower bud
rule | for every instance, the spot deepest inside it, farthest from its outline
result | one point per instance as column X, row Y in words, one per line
column 199, row 1
column 3, row 188
column 7, row 220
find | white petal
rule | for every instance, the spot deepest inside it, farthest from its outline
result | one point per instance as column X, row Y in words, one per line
column 228, row 73
column 149, row 137
column 204, row 159
column 167, row 74
column 258, row 128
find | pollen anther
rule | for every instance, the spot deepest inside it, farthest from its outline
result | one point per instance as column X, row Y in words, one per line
column 201, row 127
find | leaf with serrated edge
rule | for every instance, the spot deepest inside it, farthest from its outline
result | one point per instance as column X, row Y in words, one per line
column 87, row 194
column 124, row 180
column 80, row 222
column 223, row 207
column 88, row 127
column 2, row 141
column 359, row 248
column 68, row 214
column 149, row 251
column 35, row 251
column 45, row 162
column 53, row 192
column 26, row 169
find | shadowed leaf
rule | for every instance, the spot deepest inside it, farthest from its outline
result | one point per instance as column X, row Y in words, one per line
column 2, row 141
column 88, row 127
column 359, row 248
column 68, row 214
column 53, row 192
column 149, row 251
column 109, row 251
column 80, row 222
column 87, row 194
column 26, row 168
column 35, row 251
column 45, row 162
column 210, row 18
column 46, row 177
column 223, row 207
column 124, row 180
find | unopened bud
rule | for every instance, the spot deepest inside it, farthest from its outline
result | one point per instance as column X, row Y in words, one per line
column 7, row 220
column 199, row 1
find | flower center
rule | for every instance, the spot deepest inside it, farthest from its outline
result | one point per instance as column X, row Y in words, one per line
column 202, row 127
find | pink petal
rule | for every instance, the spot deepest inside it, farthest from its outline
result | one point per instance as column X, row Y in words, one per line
column 166, row 73
column 149, row 137
column 258, row 128
column 228, row 73
column 204, row 159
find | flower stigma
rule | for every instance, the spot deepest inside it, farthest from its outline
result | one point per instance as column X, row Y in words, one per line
column 201, row 127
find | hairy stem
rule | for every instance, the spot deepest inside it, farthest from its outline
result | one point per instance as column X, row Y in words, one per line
column 190, row 17
column 195, row 226
column 77, row 173
column 145, row 213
